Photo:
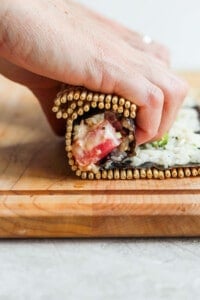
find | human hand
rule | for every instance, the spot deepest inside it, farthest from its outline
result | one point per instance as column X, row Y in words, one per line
column 46, row 42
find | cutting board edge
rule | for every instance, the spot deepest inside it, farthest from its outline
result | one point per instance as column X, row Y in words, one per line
column 36, row 217
column 155, row 226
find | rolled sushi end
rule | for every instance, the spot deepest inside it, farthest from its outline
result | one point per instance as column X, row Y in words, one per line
column 96, row 137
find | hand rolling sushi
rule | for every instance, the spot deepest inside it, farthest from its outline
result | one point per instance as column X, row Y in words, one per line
column 100, row 139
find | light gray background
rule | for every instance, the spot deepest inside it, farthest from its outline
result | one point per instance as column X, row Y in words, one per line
column 115, row 269
column 128, row 269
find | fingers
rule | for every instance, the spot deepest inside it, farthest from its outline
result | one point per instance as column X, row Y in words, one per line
column 151, row 47
column 159, row 51
column 134, row 86
column 137, row 41
column 141, row 79
column 157, row 114
column 174, row 90
column 150, row 101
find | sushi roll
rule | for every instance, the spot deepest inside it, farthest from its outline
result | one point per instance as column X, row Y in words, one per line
column 100, row 138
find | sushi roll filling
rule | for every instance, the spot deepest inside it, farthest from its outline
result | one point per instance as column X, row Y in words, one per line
column 102, row 137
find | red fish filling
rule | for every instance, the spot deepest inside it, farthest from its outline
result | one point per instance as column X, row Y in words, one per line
column 95, row 138
column 94, row 143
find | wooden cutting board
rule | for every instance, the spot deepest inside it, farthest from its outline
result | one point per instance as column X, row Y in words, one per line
column 39, row 197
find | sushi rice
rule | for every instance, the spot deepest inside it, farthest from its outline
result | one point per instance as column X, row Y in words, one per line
column 183, row 146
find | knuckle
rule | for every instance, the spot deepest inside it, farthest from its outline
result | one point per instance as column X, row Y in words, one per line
column 107, row 82
column 155, row 98
column 100, row 73
column 95, row 76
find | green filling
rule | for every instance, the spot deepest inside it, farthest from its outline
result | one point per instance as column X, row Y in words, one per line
column 162, row 142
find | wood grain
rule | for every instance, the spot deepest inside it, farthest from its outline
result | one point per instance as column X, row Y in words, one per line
column 40, row 197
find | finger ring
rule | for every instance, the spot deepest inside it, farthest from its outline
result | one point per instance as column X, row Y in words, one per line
column 147, row 39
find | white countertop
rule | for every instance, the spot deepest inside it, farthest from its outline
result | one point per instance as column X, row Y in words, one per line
column 119, row 269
